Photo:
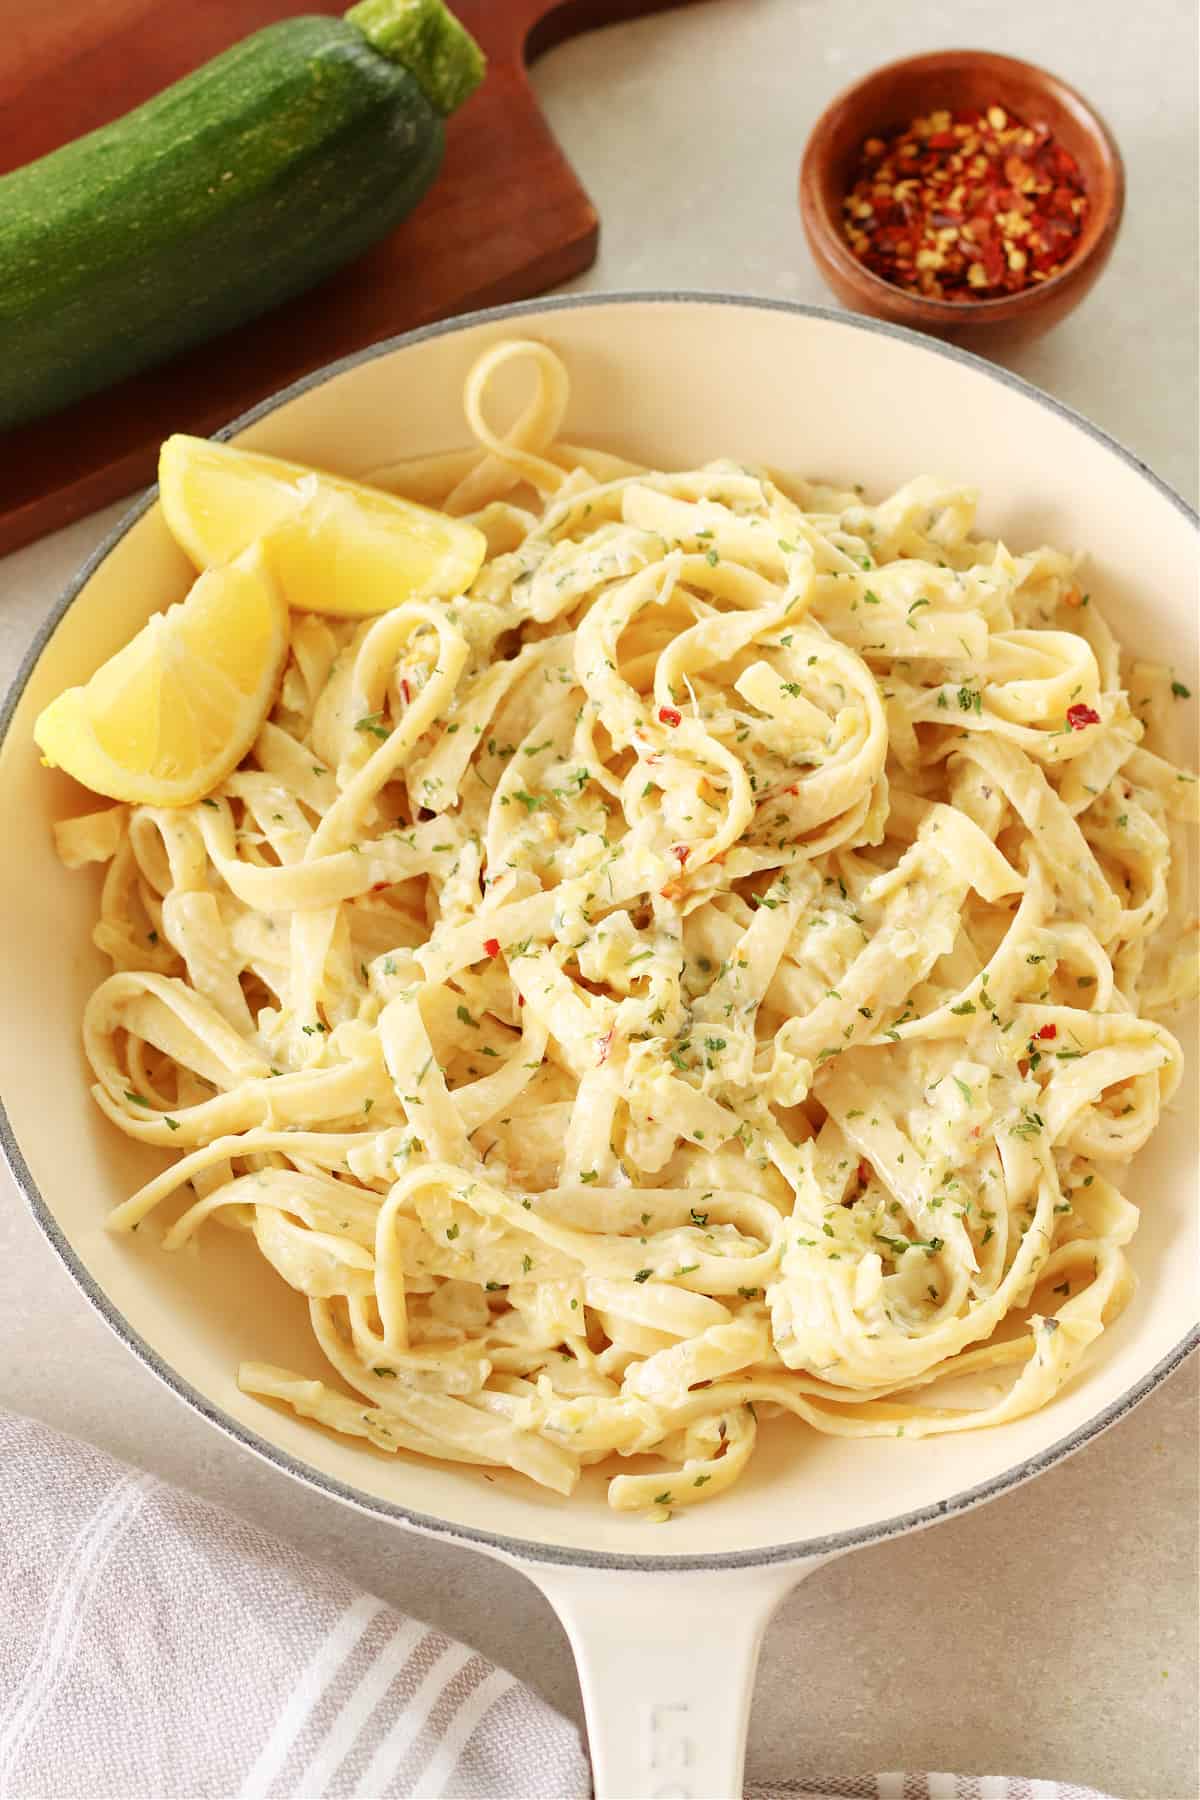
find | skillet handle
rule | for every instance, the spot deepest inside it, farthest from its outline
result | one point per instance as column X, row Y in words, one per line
column 666, row 1662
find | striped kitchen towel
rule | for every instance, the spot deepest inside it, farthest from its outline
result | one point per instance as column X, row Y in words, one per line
column 152, row 1645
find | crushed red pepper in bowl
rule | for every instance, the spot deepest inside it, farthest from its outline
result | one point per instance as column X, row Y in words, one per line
column 965, row 206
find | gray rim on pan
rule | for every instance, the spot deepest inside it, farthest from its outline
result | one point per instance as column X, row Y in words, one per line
column 523, row 1548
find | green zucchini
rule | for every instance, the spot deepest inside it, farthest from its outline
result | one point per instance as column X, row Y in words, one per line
column 243, row 184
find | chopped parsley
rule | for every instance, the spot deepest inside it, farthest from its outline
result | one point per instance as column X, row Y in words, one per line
column 899, row 1245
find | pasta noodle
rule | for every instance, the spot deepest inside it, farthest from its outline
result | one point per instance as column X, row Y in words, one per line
column 708, row 971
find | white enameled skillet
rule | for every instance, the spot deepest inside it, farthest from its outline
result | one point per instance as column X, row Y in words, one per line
column 665, row 1619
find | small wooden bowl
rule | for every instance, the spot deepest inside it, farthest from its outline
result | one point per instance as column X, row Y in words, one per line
column 960, row 80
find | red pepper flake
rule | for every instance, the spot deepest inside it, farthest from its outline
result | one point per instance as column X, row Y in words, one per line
column 492, row 946
column 406, row 691
column 605, row 1045
column 520, row 999
column 669, row 715
column 1047, row 1031
column 681, row 851
column 1080, row 715
column 864, row 1171
column 965, row 206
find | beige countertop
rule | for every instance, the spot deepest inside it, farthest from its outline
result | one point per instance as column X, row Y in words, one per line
column 1054, row 1632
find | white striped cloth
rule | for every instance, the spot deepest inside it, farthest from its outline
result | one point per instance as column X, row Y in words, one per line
column 153, row 1646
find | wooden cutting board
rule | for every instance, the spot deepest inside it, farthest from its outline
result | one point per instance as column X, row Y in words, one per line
column 506, row 218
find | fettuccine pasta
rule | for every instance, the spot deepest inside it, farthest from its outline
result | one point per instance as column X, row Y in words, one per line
column 709, row 970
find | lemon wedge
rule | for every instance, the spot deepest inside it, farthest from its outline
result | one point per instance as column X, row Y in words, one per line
column 333, row 545
column 170, row 715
